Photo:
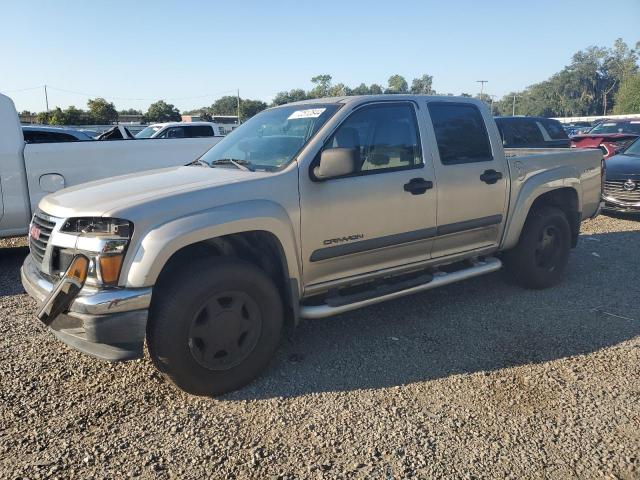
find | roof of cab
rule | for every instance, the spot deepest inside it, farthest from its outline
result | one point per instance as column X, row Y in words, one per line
column 384, row 97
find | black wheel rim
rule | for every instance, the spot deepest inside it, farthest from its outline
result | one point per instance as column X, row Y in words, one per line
column 225, row 330
column 547, row 251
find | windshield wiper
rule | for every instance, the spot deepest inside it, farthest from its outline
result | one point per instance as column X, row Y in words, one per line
column 197, row 161
column 245, row 165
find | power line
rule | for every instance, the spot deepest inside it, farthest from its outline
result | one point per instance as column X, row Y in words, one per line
column 89, row 95
column 24, row 89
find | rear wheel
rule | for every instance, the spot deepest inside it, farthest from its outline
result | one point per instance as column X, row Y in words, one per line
column 540, row 258
column 214, row 325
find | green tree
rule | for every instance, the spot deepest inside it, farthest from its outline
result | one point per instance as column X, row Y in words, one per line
column 375, row 89
column 627, row 99
column 74, row 116
column 248, row 108
column 56, row 117
column 361, row 89
column 101, row 111
column 227, row 105
column 162, row 111
column 397, row 84
column 43, row 118
column 130, row 111
column 322, row 86
column 339, row 90
column 422, row 85
column 295, row 95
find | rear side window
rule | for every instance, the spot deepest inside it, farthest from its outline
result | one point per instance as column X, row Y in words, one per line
column 460, row 133
column 173, row 132
column 196, row 131
column 47, row 137
column 554, row 129
column 521, row 131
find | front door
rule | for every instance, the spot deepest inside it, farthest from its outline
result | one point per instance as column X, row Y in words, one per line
column 378, row 217
column 472, row 179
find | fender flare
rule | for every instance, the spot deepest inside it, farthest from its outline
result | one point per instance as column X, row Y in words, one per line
column 159, row 244
column 533, row 187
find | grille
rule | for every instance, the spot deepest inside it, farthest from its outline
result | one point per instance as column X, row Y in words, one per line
column 39, row 246
column 615, row 189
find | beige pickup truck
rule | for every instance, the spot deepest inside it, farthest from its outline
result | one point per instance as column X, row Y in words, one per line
column 307, row 210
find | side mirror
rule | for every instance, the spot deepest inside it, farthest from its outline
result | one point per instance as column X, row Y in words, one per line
column 337, row 162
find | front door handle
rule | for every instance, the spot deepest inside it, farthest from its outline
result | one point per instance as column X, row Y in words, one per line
column 417, row 186
column 490, row 176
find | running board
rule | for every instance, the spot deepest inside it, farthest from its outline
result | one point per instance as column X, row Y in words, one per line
column 439, row 279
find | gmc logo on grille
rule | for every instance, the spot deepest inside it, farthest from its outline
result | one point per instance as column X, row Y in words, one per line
column 34, row 232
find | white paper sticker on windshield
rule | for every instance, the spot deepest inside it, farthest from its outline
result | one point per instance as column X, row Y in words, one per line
column 308, row 113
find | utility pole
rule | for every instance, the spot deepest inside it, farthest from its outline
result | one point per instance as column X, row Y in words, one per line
column 492, row 97
column 46, row 98
column 238, row 106
column 482, row 82
column 513, row 109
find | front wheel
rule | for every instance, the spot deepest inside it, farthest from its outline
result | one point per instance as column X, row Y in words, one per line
column 214, row 325
column 540, row 258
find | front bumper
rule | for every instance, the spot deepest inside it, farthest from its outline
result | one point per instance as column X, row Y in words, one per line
column 106, row 323
column 615, row 205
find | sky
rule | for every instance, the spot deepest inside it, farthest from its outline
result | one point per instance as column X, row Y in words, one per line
column 191, row 52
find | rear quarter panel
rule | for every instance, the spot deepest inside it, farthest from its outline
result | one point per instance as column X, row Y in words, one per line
column 536, row 172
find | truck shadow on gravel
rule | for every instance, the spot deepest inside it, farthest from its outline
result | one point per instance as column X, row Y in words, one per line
column 10, row 262
column 484, row 324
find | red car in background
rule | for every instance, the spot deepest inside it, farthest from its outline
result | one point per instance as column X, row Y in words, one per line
column 610, row 136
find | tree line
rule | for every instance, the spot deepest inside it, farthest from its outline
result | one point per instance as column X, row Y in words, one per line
column 597, row 81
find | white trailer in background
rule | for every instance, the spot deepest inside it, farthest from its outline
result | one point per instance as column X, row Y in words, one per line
column 28, row 172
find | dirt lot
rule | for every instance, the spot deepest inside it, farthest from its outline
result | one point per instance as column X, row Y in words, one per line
column 478, row 379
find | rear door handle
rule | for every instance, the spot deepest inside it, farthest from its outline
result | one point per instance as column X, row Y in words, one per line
column 490, row 176
column 417, row 186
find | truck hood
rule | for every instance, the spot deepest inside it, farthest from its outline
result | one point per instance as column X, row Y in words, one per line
column 101, row 197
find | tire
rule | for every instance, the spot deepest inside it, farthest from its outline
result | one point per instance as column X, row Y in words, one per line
column 214, row 325
column 540, row 258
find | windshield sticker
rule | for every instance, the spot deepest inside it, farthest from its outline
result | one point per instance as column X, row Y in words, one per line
column 308, row 113
column 608, row 124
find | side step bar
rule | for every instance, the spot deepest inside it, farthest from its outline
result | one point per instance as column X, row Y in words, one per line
column 487, row 265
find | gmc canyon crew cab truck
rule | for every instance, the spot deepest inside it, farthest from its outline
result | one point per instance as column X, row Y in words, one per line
column 30, row 171
column 307, row 210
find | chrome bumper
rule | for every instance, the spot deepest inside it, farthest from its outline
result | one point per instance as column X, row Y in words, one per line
column 109, row 324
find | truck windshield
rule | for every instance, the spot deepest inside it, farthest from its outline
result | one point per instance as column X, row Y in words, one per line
column 271, row 139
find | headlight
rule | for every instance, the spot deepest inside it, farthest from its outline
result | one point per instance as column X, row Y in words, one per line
column 105, row 242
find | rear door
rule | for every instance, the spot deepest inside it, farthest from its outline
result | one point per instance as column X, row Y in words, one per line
column 471, row 179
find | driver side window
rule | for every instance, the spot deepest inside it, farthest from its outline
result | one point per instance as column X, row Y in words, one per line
column 385, row 136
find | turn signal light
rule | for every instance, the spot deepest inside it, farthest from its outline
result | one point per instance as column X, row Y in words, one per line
column 78, row 269
column 110, row 266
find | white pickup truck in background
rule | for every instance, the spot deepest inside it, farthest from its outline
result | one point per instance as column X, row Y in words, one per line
column 28, row 172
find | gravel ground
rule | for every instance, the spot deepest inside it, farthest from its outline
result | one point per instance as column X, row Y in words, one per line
column 478, row 379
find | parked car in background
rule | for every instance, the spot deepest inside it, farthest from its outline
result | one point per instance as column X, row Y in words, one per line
column 308, row 210
column 182, row 130
column 622, row 180
column 609, row 136
column 43, row 134
column 35, row 161
column 572, row 129
column 532, row 132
